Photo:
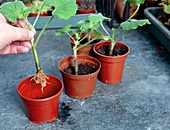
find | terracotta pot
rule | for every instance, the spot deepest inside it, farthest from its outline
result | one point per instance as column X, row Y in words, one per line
column 77, row 1
column 28, row 4
column 111, row 67
column 151, row 3
column 119, row 8
column 41, row 106
column 86, row 50
column 88, row 11
column 35, row 14
column 79, row 86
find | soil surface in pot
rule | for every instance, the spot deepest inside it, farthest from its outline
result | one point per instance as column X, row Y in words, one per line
column 85, row 40
column 83, row 69
column 118, row 50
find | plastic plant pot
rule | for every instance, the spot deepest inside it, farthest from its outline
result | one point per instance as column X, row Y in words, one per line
column 79, row 86
column 111, row 66
column 41, row 106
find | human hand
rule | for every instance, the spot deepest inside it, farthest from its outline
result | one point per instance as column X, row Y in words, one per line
column 13, row 38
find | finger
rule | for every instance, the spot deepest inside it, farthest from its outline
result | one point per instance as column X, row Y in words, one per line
column 15, row 49
column 23, row 23
column 22, row 34
column 22, row 49
column 23, row 43
column 2, row 18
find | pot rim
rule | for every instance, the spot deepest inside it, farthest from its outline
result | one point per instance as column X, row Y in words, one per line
column 43, row 99
column 107, row 43
column 80, row 76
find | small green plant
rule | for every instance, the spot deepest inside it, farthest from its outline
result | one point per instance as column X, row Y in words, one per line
column 36, row 7
column 15, row 11
column 129, row 24
column 165, row 17
column 90, row 26
column 166, row 6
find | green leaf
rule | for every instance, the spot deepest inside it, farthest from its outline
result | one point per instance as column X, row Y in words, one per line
column 136, row 2
column 98, row 35
column 113, row 32
column 87, row 26
column 64, row 9
column 14, row 10
column 134, row 24
column 63, row 30
column 98, row 18
column 93, row 22
column 167, row 9
column 37, row 5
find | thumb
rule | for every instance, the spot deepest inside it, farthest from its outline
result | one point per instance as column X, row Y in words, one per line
column 22, row 34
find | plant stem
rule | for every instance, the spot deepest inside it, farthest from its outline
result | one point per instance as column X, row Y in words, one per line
column 36, row 59
column 104, row 29
column 37, row 63
column 113, row 43
column 129, row 18
column 133, row 13
column 36, row 19
column 75, row 56
column 74, row 38
column 75, row 61
column 70, row 36
column 83, row 38
column 118, row 29
column 37, row 16
column 42, row 31
column 88, row 36
column 20, row 23
column 124, row 31
column 85, row 44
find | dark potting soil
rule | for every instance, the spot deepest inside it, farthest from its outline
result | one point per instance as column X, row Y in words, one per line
column 118, row 50
column 64, row 113
column 164, row 19
column 86, row 40
column 83, row 69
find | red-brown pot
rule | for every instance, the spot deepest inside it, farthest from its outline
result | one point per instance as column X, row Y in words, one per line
column 111, row 67
column 41, row 106
column 151, row 3
column 79, row 86
column 35, row 14
column 77, row 1
column 86, row 50
column 86, row 11
column 28, row 4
